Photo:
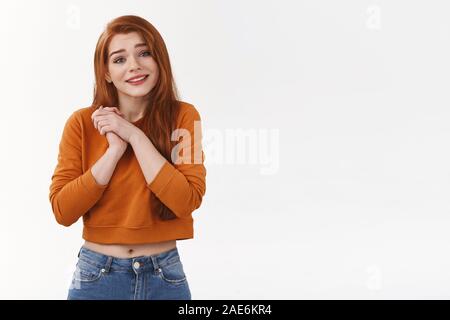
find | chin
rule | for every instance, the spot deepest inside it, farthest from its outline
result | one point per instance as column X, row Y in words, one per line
column 139, row 92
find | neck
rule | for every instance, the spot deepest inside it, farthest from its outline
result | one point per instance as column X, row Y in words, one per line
column 133, row 108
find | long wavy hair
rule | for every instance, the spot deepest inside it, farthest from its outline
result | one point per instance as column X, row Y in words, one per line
column 163, row 107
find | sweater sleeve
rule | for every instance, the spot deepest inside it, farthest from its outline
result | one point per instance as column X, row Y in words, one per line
column 72, row 192
column 181, row 186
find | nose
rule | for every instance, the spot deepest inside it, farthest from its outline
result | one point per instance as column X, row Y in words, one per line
column 134, row 65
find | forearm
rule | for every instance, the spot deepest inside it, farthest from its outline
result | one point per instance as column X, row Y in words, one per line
column 71, row 200
column 104, row 168
column 180, row 190
column 148, row 157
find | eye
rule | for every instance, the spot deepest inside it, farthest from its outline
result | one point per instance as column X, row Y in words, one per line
column 117, row 60
column 145, row 53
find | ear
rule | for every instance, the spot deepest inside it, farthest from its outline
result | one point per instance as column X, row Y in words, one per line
column 108, row 78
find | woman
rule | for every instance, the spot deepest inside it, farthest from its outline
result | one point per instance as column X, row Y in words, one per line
column 131, row 165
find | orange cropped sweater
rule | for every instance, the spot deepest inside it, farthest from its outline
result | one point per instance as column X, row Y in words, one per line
column 120, row 212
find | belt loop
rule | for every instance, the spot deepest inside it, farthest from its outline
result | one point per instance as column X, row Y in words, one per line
column 108, row 263
column 79, row 251
column 154, row 262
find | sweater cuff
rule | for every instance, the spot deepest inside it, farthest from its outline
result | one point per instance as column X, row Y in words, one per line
column 90, row 184
column 162, row 178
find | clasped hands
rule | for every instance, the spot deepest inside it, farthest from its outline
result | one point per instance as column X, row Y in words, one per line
column 107, row 119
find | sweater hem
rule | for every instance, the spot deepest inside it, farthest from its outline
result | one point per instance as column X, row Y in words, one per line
column 178, row 230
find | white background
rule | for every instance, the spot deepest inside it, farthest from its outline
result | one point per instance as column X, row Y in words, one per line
column 358, row 206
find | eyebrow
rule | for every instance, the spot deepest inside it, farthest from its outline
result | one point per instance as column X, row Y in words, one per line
column 121, row 50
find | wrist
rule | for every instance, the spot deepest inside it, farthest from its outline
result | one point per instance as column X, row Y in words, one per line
column 136, row 136
column 115, row 152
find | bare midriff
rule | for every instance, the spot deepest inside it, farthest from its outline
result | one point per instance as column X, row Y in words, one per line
column 130, row 250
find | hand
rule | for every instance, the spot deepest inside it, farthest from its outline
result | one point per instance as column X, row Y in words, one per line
column 111, row 120
column 115, row 142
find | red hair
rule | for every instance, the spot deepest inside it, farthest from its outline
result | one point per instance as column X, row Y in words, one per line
column 163, row 107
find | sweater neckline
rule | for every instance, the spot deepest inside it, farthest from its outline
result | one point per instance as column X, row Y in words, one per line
column 138, row 121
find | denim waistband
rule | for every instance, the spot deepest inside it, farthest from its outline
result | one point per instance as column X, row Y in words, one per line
column 145, row 263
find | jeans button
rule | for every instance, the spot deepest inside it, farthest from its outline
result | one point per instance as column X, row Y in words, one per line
column 136, row 265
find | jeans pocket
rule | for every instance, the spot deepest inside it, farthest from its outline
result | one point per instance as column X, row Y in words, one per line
column 172, row 273
column 87, row 272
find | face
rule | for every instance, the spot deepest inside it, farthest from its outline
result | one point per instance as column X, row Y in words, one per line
column 129, row 57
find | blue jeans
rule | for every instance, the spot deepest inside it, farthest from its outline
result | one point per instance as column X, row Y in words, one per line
column 155, row 277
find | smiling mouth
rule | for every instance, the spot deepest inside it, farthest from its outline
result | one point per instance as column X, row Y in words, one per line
column 141, row 79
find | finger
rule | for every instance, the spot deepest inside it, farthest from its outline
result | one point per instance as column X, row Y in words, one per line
column 104, row 130
column 106, row 111
column 96, row 112
column 95, row 122
column 100, row 129
column 116, row 110
column 101, row 123
column 111, row 108
column 101, row 116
